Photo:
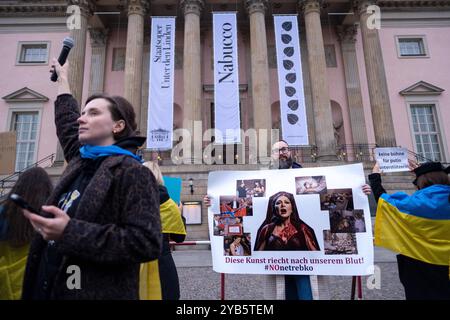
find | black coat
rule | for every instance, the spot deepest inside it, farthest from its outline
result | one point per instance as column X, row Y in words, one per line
column 116, row 225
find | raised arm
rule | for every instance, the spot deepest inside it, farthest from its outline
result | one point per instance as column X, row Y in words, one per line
column 66, row 114
column 375, row 182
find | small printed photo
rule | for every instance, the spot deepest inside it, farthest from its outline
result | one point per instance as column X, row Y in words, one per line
column 336, row 199
column 251, row 188
column 310, row 185
column 225, row 225
column 339, row 243
column 236, row 207
column 237, row 245
column 347, row 221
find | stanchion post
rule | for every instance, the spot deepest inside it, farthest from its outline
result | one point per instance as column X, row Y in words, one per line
column 352, row 295
column 222, row 286
column 359, row 288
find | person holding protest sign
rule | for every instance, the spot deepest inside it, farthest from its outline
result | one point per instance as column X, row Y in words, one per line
column 417, row 227
column 297, row 287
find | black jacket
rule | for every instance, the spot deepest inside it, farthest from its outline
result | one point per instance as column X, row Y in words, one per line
column 115, row 227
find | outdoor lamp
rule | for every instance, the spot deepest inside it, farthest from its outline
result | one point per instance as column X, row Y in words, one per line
column 191, row 185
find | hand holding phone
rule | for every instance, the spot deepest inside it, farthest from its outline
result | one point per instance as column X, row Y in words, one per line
column 22, row 203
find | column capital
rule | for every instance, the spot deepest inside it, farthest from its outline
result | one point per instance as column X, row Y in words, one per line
column 98, row 36
column 308, row 6
column 347, row 33
column 140, row 7
column 360, row 6
column 87, row 7
column 192, row 6
column 256, row 6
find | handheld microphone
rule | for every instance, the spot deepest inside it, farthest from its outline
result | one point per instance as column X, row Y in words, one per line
column 67, row 45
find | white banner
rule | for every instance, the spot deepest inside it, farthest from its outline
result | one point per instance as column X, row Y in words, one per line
column 294, row 221
column 160, row 98
column 392, row 159
column 290, row 81
column 226, row 79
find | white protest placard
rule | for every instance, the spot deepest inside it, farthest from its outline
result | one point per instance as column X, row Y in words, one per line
column 392, row 159
column 294, row 221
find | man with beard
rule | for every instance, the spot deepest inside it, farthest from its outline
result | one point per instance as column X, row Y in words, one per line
column 296, row 287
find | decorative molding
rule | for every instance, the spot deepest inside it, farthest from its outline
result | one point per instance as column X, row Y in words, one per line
column 421, row 88
column 413, row 4
column 25, row 95
column 19, row 10
column 192, row 6
column 87, row 7
column 140, row 7
column 347, row 33
column 360, row 6
column 253, row 6
column 98, row 36
column 308, row 6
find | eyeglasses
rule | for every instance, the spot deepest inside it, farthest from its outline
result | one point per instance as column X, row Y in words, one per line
column 281, row 150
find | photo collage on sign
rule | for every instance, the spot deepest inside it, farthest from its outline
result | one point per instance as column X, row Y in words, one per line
column 229, row 222
column 345, row 221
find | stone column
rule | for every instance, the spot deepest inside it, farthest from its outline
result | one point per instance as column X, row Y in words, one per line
column 325, row 141
column 192, row 85
column 134, row 53
column 347, row 38
column 262, row 114
column 78, row 52
column 77, row 59
column 376, row 79
column 98, row 58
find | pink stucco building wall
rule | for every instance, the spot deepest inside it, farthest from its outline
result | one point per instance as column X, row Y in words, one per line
column 400, row 74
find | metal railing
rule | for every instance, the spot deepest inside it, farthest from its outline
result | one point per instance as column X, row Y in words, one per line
column 7, row 183
column 303, row 154
column 356, row 152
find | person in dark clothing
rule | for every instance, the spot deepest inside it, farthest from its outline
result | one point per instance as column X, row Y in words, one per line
column 103, row 216
column 297, row 287
column 173, row 229
column 421, row 280
column 16, row 231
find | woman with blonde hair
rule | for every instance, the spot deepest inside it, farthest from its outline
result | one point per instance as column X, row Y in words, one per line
column 159, row 279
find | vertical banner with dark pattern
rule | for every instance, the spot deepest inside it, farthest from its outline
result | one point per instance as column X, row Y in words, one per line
column 290, row 80
column 226, row 79
column 160, row 99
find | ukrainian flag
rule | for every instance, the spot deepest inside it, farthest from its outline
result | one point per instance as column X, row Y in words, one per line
column 417, row 226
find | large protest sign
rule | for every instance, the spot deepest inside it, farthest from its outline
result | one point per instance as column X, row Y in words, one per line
column 295, row 221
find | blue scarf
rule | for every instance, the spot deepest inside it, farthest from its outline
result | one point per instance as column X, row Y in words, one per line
column 94, row 152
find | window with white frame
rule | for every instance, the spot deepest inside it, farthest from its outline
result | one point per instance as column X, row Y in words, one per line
column 426, row 132
column 409, row 46
column 33, row 53
column 26, row 126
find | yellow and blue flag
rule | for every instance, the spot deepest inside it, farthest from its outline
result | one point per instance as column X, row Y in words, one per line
column 417, row 225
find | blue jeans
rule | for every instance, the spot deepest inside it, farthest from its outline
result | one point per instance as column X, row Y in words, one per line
column 298, row 287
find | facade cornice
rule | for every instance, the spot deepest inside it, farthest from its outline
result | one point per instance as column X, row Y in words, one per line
column 413, row 4
column 35, row 9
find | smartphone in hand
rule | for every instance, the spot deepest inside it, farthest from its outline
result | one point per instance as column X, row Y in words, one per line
column 23, row 204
